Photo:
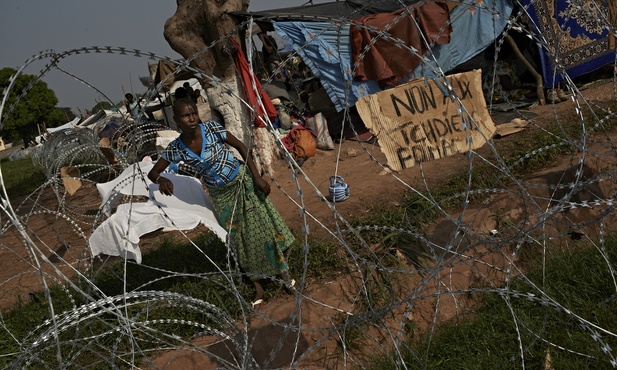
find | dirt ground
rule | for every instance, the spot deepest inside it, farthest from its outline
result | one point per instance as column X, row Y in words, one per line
column 371, row 185
column 59, row 242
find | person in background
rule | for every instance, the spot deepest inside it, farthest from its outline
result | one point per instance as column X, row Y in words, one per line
column 269, row 50
column 189, row 90
column 502, row 79
column 132, row 106
column 42, row 139
column 258, row 235
column 180, row 93
column 197, row 98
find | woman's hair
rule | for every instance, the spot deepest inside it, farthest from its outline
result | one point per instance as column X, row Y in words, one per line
column 184, row 101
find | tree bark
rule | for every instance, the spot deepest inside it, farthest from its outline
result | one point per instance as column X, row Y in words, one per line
column 196, row 25
column 199, row 23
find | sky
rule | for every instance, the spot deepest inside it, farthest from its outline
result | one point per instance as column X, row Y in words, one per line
column 28, row 27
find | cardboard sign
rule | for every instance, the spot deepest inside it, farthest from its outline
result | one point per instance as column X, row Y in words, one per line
column 419, row 122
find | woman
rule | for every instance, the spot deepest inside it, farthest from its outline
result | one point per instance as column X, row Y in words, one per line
column 257, row 232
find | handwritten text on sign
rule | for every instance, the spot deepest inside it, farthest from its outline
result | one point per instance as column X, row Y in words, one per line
column 416, row 122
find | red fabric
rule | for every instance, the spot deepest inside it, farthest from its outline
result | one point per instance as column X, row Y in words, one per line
column 250, row 94
column 386, row 62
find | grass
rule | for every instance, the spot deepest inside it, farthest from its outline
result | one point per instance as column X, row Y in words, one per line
column 488, row 339
column 323, row 259
column 578, row 279
column 178, row 269
column 21, row 177
column 527, row 153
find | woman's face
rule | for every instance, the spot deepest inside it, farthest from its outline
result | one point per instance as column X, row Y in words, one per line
column 187, row 117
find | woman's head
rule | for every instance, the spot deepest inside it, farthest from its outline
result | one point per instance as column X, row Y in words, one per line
column 186, row 113
column 184, row 101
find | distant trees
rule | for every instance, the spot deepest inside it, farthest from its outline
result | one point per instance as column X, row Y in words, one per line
column 37, row 108
column 102, row 105
column 68, row 114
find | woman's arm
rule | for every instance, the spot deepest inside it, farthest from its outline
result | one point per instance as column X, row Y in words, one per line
column 166, row 186
column 260, row 183
column 267, row 43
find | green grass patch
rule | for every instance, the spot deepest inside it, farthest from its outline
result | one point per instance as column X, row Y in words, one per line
column 176, row 270
column 21, row 177
column 527, row 153
column 179, row 267
column 324, row 258
column 197, row 295
column 575, row 282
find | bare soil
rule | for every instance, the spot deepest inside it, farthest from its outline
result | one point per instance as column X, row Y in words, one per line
column 59, row 243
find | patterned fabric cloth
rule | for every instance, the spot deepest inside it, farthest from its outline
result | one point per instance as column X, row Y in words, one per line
column 215, row 165
column 258, row 233
column 265, row 111
column 319, row 126
column 576, row 34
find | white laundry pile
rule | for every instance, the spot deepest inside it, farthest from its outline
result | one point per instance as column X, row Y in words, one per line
column 186, row 209
column 132, row 181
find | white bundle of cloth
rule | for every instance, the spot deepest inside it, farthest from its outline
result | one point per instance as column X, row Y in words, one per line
column 184, row 210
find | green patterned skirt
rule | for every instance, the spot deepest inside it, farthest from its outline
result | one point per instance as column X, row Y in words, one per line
column 257, row 231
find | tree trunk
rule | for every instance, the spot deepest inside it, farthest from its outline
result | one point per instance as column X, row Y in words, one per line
column 196, row 25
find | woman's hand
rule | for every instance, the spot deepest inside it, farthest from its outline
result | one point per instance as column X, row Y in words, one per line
column 262, row 185
column 166, row 186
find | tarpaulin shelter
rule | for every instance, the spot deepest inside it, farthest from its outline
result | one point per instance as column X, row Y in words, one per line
column 165, row 71
column 71, row 124
column 333, row 11
column 320, row 34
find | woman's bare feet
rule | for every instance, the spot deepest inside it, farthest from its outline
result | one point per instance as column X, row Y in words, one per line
column 288, row 283
column 259, row 293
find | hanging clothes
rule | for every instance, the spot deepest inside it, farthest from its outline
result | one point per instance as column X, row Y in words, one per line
column 384, row 60
column 251, row 95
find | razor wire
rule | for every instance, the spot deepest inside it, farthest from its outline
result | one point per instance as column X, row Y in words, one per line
column 398, row 281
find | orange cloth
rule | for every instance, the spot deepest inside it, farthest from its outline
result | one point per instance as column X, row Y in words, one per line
column 385, row 61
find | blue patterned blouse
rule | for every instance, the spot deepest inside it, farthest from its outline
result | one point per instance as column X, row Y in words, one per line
column 216, row 164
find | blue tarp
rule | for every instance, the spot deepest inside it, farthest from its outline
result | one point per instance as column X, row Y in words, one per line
column 325, row 48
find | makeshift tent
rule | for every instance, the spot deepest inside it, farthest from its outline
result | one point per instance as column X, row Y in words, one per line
column 165, row 71
column 334, row 11
column 320, row 34
column 96, row 117
column 71, row 124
